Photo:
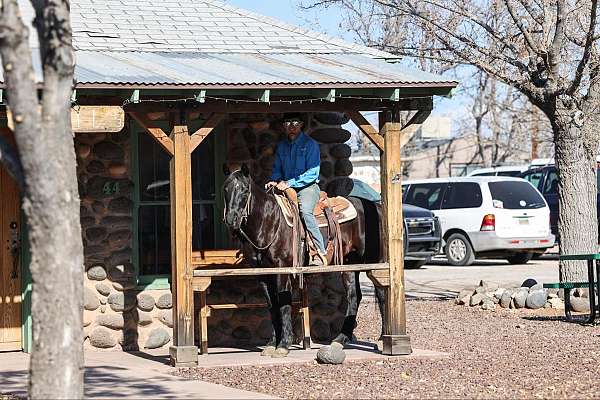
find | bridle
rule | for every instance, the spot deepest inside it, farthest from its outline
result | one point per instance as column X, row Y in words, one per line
column 244, row 218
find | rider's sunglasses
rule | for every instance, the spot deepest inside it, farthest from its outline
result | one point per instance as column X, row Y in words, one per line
column 294, row 123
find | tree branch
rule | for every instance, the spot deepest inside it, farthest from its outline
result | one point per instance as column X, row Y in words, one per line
column 587, row 50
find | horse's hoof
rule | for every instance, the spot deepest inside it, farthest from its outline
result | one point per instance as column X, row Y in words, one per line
column 268, row 351
column 280, row 352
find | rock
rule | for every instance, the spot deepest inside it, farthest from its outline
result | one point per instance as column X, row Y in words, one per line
column 552, row 292
column 96, row 234
column 122, row 258
column 332, row 118
column 165, row 301
column 112, row 321
column 145, row 302
column 102, row 300
column 331, row 135
column 341, row 151
column 333, row 354
column 109, row 151
column 552, row 295
column 547, row 305
column 144, row 318
column 90, row 301
column 536, row 299
column 498, row 293
column 495, row 300
column 464, row 297
column 88, row 318
column 95, row 167
column 120, row 205
column 529, row 282
column 480, row 290
column 83, row 150
column 477, row 299
column 340, row 187
column 103, row 289
column 343, row 167
column 580, row 304
column 326, row 169
column 158, row 337
column 488, row 304
column 489, row 285
column 561, row 294
column 259, row 126
column 121, row 272
column 115, row 223
column 119, row 239
column 166, row 317
column 520, row 297
column 320, row 329
column 241, row 333
column 120, row 302
column 557, row 303
column 124, row 285
column 117, row 170
column 96, row 273
column 512, row 303
column 581, row 292
column 506, row 298
column 102, row 309
column 102, row 338
column 537, row 286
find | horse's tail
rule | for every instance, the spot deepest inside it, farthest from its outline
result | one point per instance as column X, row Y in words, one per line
column 372, row 239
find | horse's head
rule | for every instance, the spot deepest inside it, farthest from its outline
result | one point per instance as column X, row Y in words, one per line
column 236, row 189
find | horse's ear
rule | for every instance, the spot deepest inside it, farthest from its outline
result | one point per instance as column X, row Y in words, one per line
column 245, row 170
column 226, row 170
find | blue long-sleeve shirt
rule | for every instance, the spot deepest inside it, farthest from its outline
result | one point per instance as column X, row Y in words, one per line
column 298, row 162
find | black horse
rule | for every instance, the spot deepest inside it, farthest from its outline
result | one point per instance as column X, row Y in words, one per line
column 255, row 217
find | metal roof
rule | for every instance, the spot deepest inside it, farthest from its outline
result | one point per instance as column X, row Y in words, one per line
column 207, row 43
column 106, row 69
column 205, row 26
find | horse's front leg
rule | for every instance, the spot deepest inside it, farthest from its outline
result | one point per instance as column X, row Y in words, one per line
column 284, row 300
column 353, row 298
column 269, row 287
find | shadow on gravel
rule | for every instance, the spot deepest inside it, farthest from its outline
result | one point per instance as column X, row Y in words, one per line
column 580, row 321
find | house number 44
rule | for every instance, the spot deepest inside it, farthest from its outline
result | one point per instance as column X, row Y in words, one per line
column 111, row 188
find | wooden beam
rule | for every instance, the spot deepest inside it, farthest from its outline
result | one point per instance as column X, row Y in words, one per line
column 157, row 133
column 286, row 270
column 275, row 107
column 413, row 125
column 183, row 352
column 201, row 134
column 395, row 339
column 366, row 128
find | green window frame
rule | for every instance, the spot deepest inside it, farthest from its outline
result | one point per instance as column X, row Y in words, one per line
column 220, row 240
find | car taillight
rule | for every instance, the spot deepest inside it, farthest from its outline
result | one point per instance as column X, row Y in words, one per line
column 488, row 223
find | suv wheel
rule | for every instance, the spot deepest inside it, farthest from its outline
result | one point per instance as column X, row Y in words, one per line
column 519, row 258
column 458, row 250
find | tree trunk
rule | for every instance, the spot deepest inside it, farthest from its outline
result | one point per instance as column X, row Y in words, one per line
column 575, row 157
column 50, row 199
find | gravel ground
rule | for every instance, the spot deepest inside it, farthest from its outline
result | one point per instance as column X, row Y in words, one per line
column 502, row 354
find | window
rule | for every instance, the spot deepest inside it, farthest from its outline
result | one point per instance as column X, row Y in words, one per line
column 536, row 178
column 551, row 184
column 426, row 195
column 515, row 195
column 462, row 195
column 152, row 203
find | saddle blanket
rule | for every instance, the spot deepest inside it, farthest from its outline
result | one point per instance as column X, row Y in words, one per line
column 342, row 208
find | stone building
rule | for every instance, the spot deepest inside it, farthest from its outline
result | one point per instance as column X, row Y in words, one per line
column 201, row 56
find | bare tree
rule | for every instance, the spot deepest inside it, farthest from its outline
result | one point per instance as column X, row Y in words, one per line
column 46, row 157
column 547, row 50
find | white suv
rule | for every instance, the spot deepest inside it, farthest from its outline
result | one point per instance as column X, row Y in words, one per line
column 487, row 217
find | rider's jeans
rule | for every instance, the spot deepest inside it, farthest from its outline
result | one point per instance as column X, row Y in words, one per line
column 308, row 198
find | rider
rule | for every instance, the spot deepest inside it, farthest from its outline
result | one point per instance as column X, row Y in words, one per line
column 297, row 165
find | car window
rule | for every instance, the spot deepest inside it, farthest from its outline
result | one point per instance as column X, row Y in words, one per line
column 551, row 184
column 462, row 195
column 425, row 195
column 509, row 173
column 535, row 178
column 515, row 195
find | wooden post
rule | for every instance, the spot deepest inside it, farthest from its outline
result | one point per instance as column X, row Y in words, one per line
column 183, row 352
column 395, row 339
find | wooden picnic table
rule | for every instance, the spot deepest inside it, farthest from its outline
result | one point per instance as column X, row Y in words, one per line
column 593, row 284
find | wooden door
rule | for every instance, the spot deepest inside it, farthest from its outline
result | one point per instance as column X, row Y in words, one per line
column 10, row 268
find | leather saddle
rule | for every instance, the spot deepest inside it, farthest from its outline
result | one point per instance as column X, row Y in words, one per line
column 329, row 212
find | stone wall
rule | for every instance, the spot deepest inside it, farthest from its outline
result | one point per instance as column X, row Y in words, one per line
column 119, row 317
